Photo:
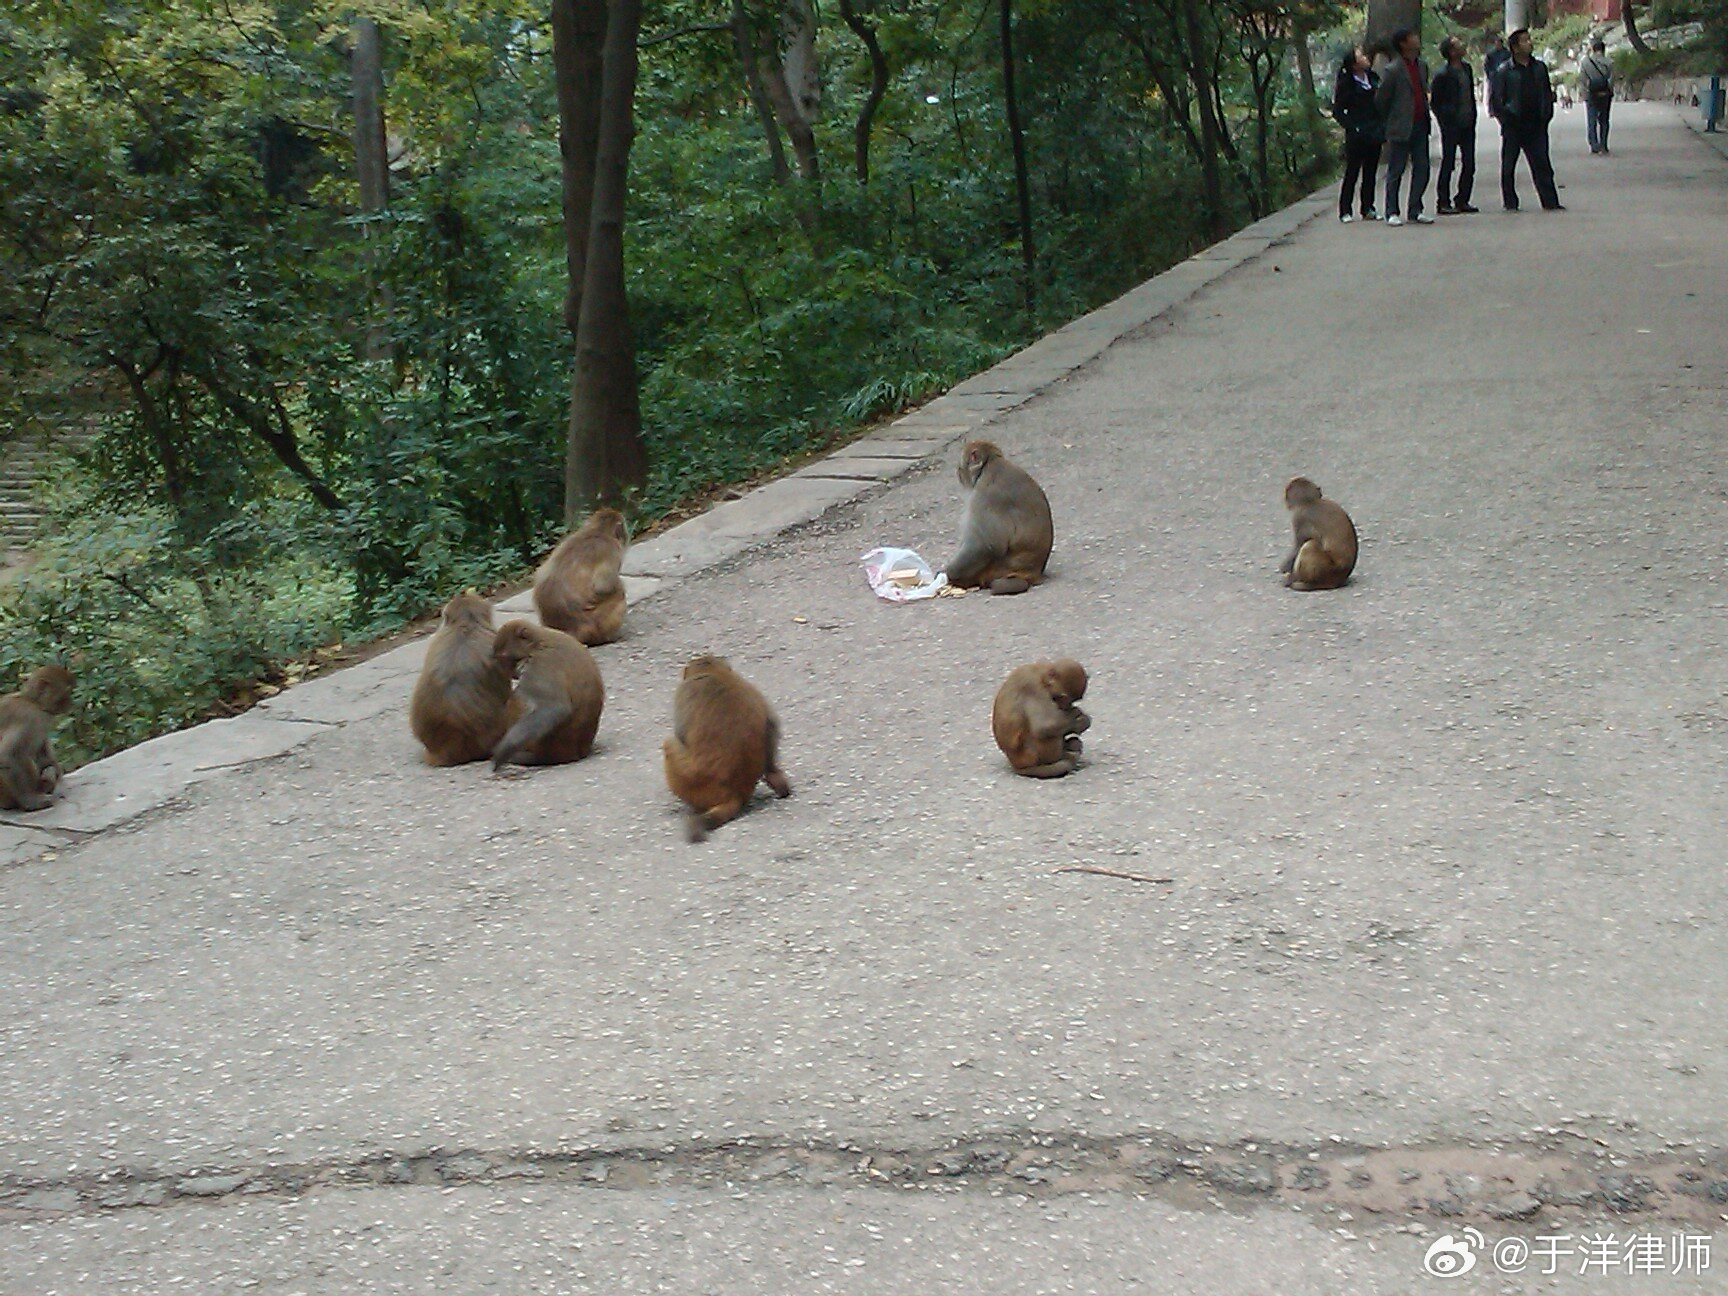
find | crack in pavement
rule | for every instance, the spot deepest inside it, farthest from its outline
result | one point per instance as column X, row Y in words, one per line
column 1452, row 1182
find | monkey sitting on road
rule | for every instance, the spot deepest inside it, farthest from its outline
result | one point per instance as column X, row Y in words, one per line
column 577, row 589
column 1324, row 553
column 457, row 711
column 1006, row 532
column 555, row 711
column 29, row 770
column 1036, row 720
column 725, row 737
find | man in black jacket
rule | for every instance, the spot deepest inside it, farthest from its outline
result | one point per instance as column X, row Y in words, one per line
column 1452, row 95
column 1522, row 99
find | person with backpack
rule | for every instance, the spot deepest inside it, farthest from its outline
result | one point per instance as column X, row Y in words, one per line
column 1353, row 106
column 1596, row 80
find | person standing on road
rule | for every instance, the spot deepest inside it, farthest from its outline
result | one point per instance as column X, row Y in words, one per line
column 1495, row 59
column 1596, row 80
column 1453, row 96
column 1353, row 106
column 1402, row 99
column 1522, row 99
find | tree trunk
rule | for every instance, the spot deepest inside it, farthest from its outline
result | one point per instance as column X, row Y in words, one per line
column 1211, row 129
column 371, row 167
column 578, row 30
column 605, row 455
column 1387, row 16
column 1017, row 135
column 1631, row 21
column 753, row 85
column 1305, row 69
column 802, row 71
column 1517, row 15
column 878, row 89
column 790, row 116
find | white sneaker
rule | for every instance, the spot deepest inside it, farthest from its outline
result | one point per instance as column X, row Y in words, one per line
column 1346, row 218
column 1423, row 219
column 1394, row 219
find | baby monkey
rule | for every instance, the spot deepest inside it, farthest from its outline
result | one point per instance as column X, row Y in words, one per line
column 1324, row 553
column 1036, row 720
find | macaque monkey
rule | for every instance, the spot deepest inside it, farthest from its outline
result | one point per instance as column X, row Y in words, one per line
column 555, row 711
column 1006, row 532
column 1325, row 550
column 29, row 770
column 1036, row 720
column 725, row 737
column 577, row 589
column 457, row 711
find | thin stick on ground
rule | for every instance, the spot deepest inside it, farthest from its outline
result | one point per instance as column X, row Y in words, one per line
column 1115, row 873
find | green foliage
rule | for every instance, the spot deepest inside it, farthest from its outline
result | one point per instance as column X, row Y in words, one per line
column 317, row 421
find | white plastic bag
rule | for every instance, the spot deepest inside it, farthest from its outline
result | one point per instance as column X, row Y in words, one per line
column 901, row 576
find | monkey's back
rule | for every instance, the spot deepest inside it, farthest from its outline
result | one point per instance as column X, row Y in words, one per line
column 721, row 727
column 460, row 698
column 577, row 589
column 566, row 666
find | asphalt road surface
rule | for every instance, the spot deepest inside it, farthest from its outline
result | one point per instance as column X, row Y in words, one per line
column 1443, row 945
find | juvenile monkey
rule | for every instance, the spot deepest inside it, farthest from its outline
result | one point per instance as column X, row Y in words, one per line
column 725, row 737
column 1006, row 531
column 555, row 711
column 29, row 770
column 457, row 711
column 1036, row 720
column 577, row 589
column 1324, row 553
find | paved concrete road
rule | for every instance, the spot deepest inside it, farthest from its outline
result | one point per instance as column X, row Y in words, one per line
column 1444, row 945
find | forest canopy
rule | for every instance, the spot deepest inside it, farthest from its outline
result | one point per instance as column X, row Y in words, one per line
column 296, row 277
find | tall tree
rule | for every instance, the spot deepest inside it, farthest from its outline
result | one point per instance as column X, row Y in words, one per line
column 1387, row 16
column 878, row 88
column 371, row 165
column 1017, row 136
column 604, row 454
column 1631, row 20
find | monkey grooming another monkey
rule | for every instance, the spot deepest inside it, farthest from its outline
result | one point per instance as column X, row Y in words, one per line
column 457, row 711
column 1036, row 720
column 1006, row 532
column 555, row 711
column 29, row 770
column 725, row 737
column 1324, row 553
column 577, row 589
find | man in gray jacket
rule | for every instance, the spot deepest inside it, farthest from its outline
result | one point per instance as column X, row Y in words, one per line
column 1596, row 80
column 1402, row 98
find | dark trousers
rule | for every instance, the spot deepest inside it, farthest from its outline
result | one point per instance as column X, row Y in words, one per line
column 1532, row 142
column 1457, row 143
column 1596, row 122
column 1413, row 152
column 1361, row 163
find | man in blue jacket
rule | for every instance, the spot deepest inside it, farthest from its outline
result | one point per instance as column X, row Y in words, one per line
column 1522, row 100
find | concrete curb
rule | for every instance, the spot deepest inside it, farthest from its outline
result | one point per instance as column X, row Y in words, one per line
column 121, row 787
column 1717, row 139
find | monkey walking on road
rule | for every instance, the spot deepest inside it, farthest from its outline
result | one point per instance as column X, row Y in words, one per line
column 725, row 739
